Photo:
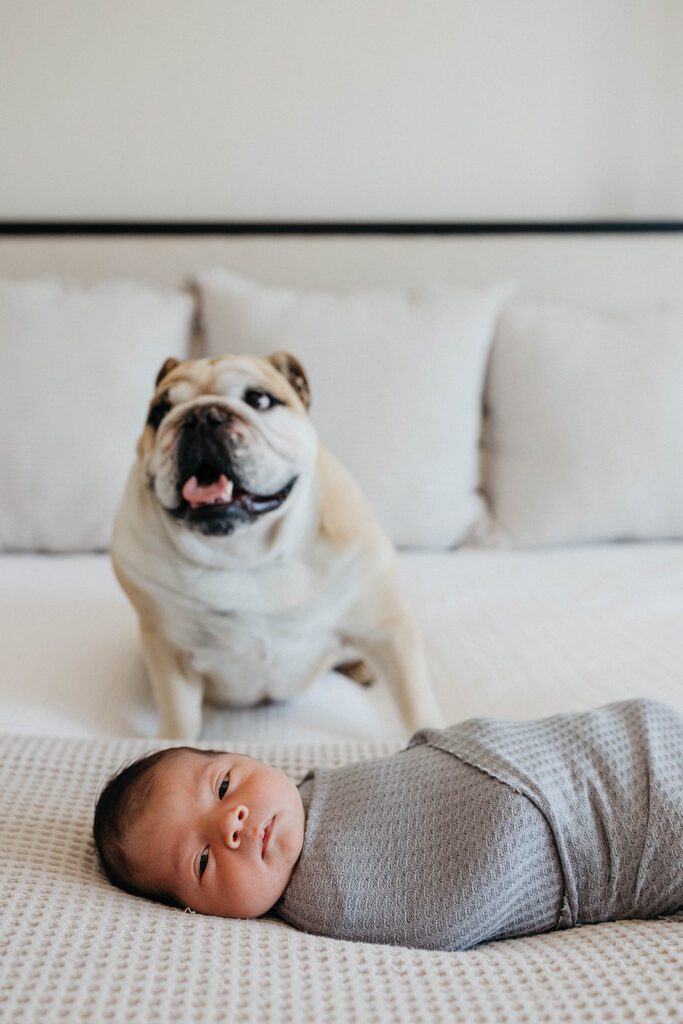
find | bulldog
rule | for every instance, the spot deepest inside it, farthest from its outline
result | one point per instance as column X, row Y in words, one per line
column 251, row 555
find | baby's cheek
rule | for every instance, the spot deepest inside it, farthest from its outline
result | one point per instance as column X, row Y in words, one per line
column 259, row 894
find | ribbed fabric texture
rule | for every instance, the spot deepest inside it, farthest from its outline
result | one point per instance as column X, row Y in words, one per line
column 494, row 829
column 75, row 949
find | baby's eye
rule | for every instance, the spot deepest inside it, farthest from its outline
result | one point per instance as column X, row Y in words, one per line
column 203, row 861
column 223, row 788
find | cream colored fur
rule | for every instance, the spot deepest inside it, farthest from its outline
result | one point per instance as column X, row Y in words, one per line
column 262, row 612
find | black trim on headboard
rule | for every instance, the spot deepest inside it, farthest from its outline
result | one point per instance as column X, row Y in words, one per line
column 154, row 228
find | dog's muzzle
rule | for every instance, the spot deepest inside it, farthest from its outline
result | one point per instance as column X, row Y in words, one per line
column 212, row 498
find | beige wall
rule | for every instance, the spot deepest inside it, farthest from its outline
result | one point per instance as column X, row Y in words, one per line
column 368, row 109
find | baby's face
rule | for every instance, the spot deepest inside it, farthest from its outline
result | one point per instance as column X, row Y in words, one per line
column 221, row 834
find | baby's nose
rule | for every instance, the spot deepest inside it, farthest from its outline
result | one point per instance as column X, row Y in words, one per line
column 233, row 826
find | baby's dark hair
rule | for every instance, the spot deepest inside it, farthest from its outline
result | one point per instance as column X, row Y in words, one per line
column 119, row 808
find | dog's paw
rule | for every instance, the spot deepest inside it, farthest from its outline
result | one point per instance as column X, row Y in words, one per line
column 358, row 670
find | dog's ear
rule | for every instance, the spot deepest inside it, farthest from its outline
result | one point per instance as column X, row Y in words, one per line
column 292, row 369
column 169, row 365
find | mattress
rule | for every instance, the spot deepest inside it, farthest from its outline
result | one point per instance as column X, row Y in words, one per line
column 76, row 949
column 512, row 633
column 509, row 633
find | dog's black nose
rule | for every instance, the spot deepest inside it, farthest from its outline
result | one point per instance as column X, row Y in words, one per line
column 205, row 416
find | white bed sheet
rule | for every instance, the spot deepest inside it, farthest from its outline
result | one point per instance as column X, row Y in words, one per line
column 508, row 633
column 76, row 949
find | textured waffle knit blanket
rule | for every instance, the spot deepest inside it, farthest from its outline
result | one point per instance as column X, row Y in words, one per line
column 493, row 829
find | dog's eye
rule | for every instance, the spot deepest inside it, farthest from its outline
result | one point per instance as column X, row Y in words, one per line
column 158, row 410
column 259, row 399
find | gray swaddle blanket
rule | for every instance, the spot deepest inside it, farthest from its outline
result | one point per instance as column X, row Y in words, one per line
column 492, row 829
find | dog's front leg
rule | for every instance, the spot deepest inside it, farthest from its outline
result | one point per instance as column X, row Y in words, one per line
column 178, row 689
column 403, row 663
column 394, row 649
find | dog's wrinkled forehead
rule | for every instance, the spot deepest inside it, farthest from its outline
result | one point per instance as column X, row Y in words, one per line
column 227, row 378
column 247, row 385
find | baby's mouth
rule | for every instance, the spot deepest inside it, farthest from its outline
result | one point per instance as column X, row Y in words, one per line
column 265, row 834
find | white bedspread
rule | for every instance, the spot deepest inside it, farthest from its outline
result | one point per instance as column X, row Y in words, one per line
column 76, row 949
column 509, row 633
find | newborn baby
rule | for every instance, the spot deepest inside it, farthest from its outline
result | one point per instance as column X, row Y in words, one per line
column 486, row 830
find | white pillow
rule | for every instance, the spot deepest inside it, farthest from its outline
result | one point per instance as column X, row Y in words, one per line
column 78, row 369
column 584, row 433
column 396, row 379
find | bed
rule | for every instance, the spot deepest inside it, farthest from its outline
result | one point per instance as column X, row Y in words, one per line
column 537, row 602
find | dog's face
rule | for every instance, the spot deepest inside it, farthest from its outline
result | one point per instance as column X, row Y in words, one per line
column 226, row 440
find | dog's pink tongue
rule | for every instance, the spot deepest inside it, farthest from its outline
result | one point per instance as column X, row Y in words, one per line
column 196, row 495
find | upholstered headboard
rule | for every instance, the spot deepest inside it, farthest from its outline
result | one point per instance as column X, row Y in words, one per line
column 410, row 342
column 615, row 266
